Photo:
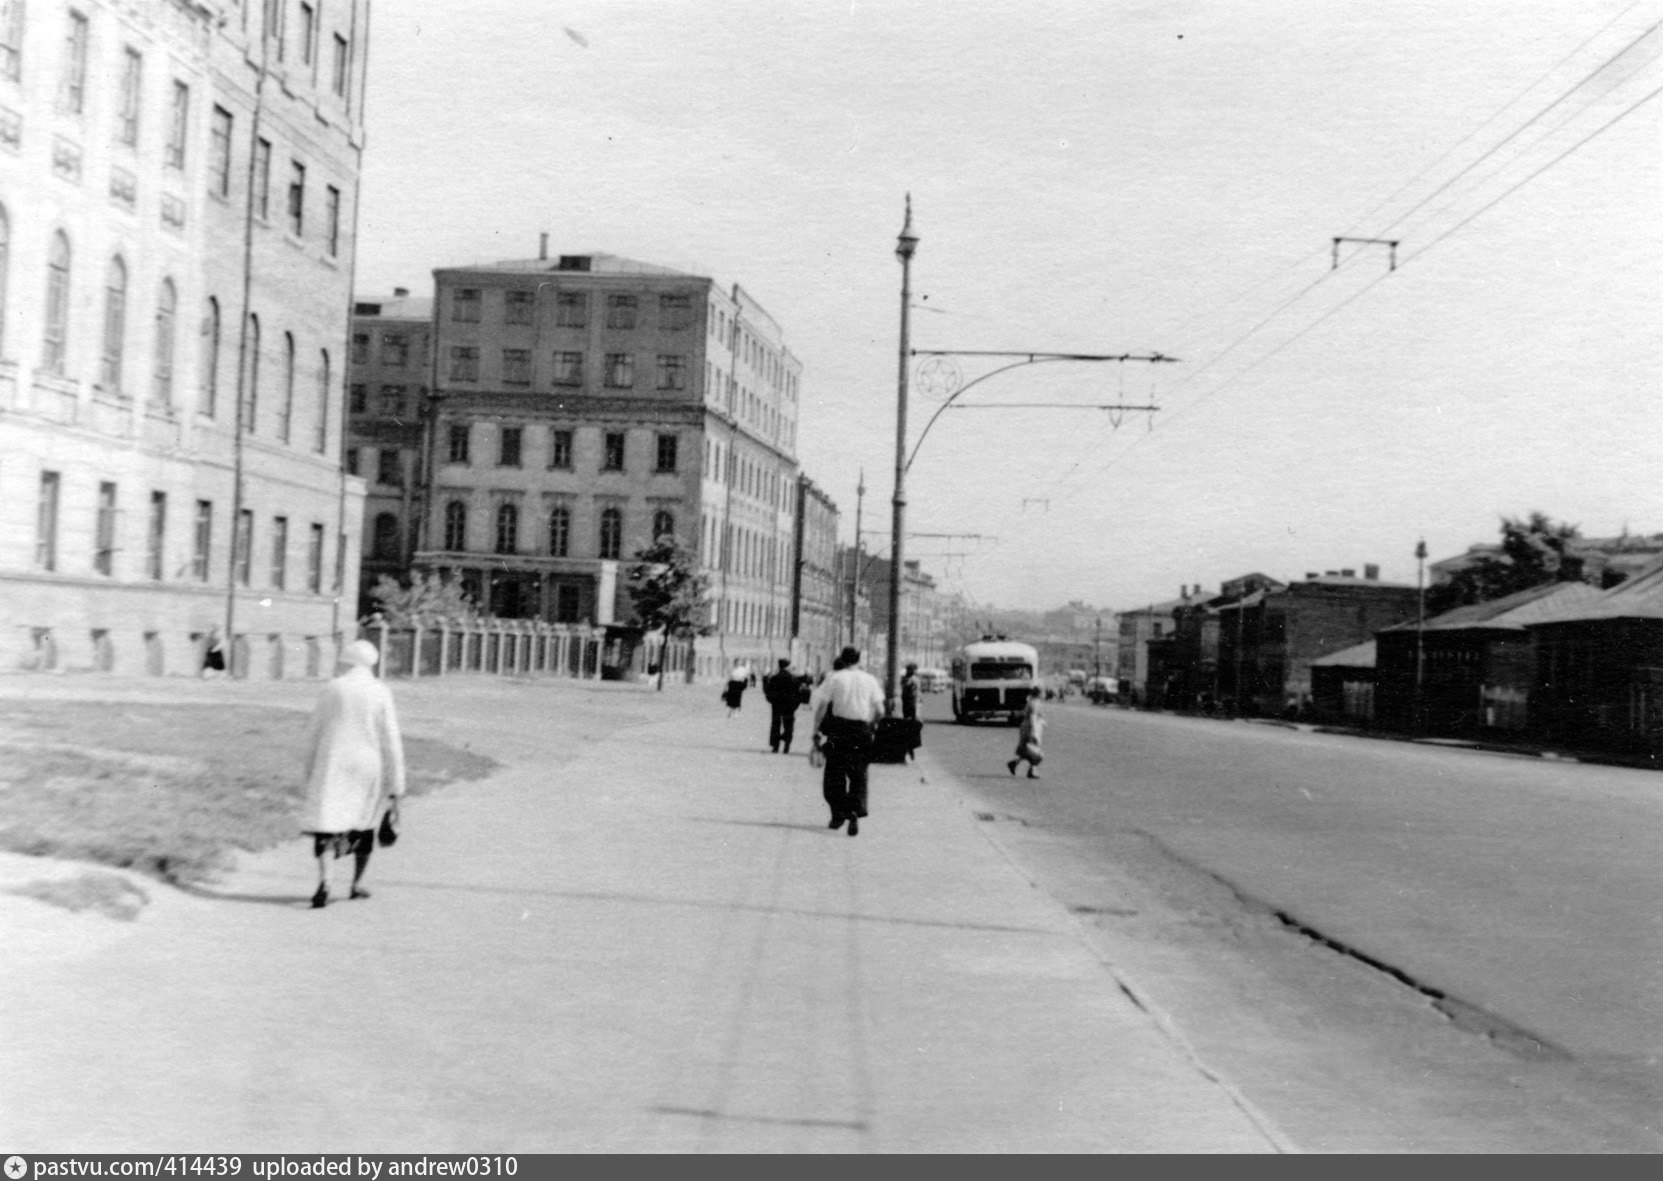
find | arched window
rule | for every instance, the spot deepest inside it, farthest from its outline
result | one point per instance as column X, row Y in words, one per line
column 321, row 443
column 115, row 323
column 508, row 527
column 285, row 416
column 456, row 526
column 161, row 377
column 208, row 392
column 251, row 382
column 385, row 543
column 612, row 533
column 663, row 524
column 560, row 531
column 55, row 347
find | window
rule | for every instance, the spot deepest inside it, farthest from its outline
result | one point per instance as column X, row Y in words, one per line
column 568, row 368
column 620, row 370
column 342, row 65
column 612, row 533
column 395, row 349
column 161, row 377
column 340, row 562
column 285, row 419
column 620, row 311
column 560, row 449
column 663, row 524
column 242, row 546
column 72, row 86
column 352, row 461
column 314, row 560
column 391, row 402
column 560, row 531
column 11, row 39
column 155, row 542
column 384, row 539
column 516, row 306
column 297, row 198
column 465, row 304
column 208, row 393
column 219, row 160
column 132, row 91
column 456, row 526
column 516, row 366
column 46, row 522
column 675, row 312
column 251, row 388
column 508, row 446
column 359, row 393
column 568, row 603
column 464, row 363
column 279, row 552
column 508, row 527
column 262, row 168
column 321, row 442
column 613, row 458
column 672, row 371
column 666, row 453
column 55, row 345
column 178, row 128
column 360, row 348
column 202, row 536
column 388, row 470
column 308, row 33
column 459, row 442
column 275, row 12
column 332, row 219
column 571, row 309
column 115, row 324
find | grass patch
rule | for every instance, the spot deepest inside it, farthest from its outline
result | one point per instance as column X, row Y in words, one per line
column 168, row 790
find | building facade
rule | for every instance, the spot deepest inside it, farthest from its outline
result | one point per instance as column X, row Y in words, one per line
column 816, row 604
column 177, row 190
column 1135, row 630
column 582, row 406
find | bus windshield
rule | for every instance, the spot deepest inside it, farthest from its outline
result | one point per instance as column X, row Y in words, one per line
column 1008, row 668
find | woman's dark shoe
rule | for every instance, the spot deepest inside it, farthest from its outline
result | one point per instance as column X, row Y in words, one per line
column 360, row 892
column 854, row 825
column 321, row 898
column 836, row 822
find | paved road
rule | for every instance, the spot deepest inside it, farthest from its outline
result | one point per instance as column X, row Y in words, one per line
column 1510, row 902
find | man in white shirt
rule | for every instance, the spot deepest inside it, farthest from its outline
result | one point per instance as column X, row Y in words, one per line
column 846, row 705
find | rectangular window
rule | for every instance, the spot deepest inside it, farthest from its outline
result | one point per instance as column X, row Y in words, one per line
column 72, row 88
column 297, row 198
column 464, row 363
column 262, row 174
column 202, row 537
column 667, row 445
column 275, row 12
column 560, row 531
column 332, row 219
column 508, row 446
column 571, row 309
column 675, row 312
column 516, row 366
column 340, row 561
column 672, row 371
column 395, row 349
column 560, row 449
column 568, row 368
column 516, row 306
column 392, row 401
column 308, row 33
column 459, row 442
column 132, row 93
column 242, row 546
column 155, row 543
column 387, row 470
column 620, row 311
column 464, row 305
column 279, row 552
column 568, row 603
column 352, row 461
column 620, row 370
column 613, row 458
column 360, row 348
column 46, row 522
column 314, row 560
column 359, row 398
column 178, row 128
column 219, row 158
column 342, row 65
column 11, row 39
column 103, row 553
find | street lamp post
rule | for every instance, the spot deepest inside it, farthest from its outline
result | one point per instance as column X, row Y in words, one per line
column 906, row 244
column 1420, row 629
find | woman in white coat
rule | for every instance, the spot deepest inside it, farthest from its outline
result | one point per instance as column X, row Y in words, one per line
column 356, row 761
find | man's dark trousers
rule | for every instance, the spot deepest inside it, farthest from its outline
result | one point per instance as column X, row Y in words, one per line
column 848, row 751
column 781, row 726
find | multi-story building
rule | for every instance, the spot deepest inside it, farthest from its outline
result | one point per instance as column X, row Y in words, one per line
column 387, row 384
column 923, row 635
column 177, row 190
column 816, row 604
column 1136, row 630
column 586, row 404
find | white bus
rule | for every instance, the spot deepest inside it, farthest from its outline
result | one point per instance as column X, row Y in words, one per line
column 993, row 678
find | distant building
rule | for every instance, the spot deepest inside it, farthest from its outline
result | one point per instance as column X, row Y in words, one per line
column 1137, row 629
column 1343, row 685
column 816, row 616
column 924, row 613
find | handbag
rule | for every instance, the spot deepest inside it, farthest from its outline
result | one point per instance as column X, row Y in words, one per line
column 816, row 756
column 387, row 834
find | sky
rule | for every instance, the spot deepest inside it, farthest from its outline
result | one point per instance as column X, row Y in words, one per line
column 1106, row 177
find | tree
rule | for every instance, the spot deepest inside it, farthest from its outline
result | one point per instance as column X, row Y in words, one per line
column 429, row 597
column 1534, row 550
column 668, row 592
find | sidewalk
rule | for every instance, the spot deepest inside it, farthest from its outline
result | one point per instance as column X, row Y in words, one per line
column 655, row 945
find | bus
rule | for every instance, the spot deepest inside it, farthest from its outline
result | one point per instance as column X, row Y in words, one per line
column 993, row 678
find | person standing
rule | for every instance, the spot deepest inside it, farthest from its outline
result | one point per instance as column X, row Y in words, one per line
column 355, row 762
column 783, row 692
column 739, row 676
column 1028, row 740
column 847, row 706
column 909, row 693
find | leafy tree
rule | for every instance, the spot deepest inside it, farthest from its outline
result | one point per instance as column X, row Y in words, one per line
column 668, row 592
column 429, row 597
column 1534, row 550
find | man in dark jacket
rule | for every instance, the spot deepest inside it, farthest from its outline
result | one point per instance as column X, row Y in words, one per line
column 784, row 694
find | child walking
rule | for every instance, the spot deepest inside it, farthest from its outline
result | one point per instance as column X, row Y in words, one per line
column 1028, row 740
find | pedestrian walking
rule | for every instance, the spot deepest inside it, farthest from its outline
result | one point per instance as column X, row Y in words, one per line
column 909, row 693
column 783, row 691
column 354, row 767
column 847, row 706
column 739, row 676
column 1028, row 740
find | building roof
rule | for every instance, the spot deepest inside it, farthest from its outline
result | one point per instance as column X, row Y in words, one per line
column 394, row 307
column 598, row 264
column 1641, row 597
column 1356, row 656
column 1348, row 580
column 1512, row 612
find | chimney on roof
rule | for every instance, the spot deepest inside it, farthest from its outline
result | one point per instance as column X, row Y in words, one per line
column 543, row 246
column 1349, row 572
column 1371, row 572
column 400, row 292
column 1309, row 574
column 1329, row 573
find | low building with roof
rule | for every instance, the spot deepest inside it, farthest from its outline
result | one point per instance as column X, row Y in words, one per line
column 1342, row 685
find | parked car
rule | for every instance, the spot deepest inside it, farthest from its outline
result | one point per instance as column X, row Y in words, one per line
column 1102, row 690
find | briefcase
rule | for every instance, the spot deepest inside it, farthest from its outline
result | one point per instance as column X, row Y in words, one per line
column 896, row 738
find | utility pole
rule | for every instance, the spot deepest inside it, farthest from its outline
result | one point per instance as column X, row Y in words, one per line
column 1097, row 650
column 854, row 574
column 1420, row 629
